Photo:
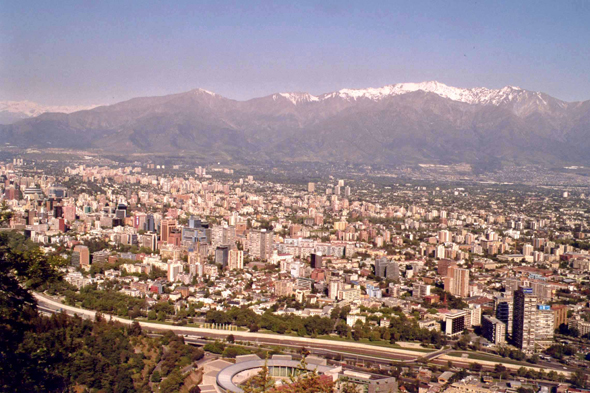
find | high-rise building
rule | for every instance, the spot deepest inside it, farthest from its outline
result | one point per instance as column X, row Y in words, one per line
column 236, row 260
column 472, row 316
column 310, row 187
column 260, row 244
column 149, row 240
column 150, row 225
column 457, row 282
column 174, row 269
column 333, row 288
column 165, row 229
column 559, row 314
column 523, row 329
column 386, row 269
column 533, row 323
column 527, row 250
column 545, row 326
column 81, row 256
column 374, row 291
column 444, row 265
column 444, row 236
column 347, row 191
column 223, row 236
column 493, row 329
column 222, row 256
column 316, row 261
column 504, row 313
column 121, row 211
column 543, row 291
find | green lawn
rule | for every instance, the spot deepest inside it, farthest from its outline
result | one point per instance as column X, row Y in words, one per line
column 491, row 358
column 375, row 357
column 377, row 344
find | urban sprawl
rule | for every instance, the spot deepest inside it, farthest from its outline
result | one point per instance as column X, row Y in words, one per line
column 399, row 286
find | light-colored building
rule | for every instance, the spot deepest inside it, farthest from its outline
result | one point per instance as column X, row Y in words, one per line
column 532, row 326
column 236, row 260
column 260, row 244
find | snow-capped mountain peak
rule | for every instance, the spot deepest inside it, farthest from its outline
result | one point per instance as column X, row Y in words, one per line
column 203, row 91
column 296, row 98
column 477, row 95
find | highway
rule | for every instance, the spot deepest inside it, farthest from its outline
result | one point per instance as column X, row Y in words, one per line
column 345, row 350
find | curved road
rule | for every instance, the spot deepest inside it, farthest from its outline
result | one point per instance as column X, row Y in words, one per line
column 344, row 348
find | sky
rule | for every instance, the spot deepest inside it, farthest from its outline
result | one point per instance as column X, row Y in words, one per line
column 101, row 52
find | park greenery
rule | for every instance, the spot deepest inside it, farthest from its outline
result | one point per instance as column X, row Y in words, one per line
column 401, row 327
column 62, row 353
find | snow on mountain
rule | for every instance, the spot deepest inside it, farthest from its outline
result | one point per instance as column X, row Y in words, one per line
column 296, row 98
column 203, row 91
column 478, row 95
column 27, row 109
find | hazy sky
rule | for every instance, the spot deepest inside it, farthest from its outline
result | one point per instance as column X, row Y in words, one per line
column 85, row 52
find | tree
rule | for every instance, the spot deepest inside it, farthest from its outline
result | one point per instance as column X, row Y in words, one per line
column 463, row 342
column 156, row 376
column 499, row 368
column 304, row 381
column 5, row 214
column 173, row 383
column 260, row 383
column 135, row 329
column 580, row 379
column 23, row 268
column 231, row 339
column 348, row 387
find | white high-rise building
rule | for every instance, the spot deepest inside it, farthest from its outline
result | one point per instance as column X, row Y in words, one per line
column 236, row 260
column 174, row 269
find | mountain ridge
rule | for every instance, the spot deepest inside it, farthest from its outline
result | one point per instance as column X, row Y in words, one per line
column 11, row 111
column 402, row 123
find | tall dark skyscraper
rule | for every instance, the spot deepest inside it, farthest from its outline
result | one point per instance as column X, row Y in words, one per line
column 504, row 311
column 150, row 224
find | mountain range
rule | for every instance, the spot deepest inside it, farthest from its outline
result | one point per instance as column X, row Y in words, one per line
column 427, row 122
column 13, row 111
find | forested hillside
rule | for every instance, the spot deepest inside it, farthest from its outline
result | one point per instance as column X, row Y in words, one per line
column 62, row 353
